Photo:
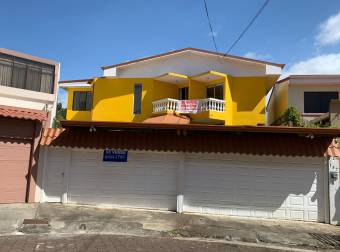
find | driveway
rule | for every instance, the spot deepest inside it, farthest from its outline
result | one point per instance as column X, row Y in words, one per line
column 86, row 220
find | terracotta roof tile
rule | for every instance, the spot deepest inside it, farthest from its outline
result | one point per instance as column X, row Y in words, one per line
column 21, row 113
column 254, row 143
column 168, row 119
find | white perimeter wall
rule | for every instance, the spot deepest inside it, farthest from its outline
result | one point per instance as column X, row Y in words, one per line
column 294, row 187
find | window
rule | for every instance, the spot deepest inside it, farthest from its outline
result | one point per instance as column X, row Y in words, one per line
column 82, row 101
column 184, row 93
column 26, row 74
column 137, row 99
column 318, row 102
column 215, row 92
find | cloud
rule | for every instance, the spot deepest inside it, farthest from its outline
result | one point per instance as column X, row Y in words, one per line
column 215, row 32
column 254, row 55
column 329, row 34
column 329, row 31
column 322, row 64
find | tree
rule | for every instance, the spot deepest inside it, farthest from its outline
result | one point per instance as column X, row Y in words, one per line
column 60, row 115
column 292, row 117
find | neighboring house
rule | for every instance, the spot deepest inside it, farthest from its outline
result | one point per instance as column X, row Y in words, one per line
column 28, row 90
column 309, row 94
column 205, row 86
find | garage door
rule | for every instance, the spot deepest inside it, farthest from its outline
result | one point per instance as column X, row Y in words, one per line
column 147, row 180
column 255, row 187
column 14, row 162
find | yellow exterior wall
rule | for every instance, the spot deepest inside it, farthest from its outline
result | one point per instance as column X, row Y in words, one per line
column 76, row 115
column 113, row 100
column 197, row 90
column 163, row 90
column 248, row 96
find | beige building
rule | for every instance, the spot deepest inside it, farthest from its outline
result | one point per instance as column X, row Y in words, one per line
column 309, row 94
column 28, row 96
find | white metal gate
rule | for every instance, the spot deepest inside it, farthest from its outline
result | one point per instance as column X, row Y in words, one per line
column 268, row 187
column 239, row 185
column 147, row 180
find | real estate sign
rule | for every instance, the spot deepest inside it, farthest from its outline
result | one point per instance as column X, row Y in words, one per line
column 189, row 106
column 114, row 155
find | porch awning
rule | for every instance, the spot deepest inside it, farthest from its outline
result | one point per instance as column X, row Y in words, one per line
column 173, row 78
column 208, row 76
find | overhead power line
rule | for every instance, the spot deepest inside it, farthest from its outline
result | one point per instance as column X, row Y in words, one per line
column 258, row 13
column 210, row 26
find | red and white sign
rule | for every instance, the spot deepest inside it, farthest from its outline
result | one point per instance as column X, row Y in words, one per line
column 189, row 106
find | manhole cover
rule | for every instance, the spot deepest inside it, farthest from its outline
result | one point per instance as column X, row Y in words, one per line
column 35, row 222
column 327, row 239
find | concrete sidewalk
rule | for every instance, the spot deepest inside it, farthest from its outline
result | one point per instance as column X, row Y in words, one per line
column 68, row 219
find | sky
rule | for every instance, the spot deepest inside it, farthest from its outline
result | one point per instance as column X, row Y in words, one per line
column 84, row 35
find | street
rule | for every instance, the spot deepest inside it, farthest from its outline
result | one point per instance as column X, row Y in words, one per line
column 101, row 243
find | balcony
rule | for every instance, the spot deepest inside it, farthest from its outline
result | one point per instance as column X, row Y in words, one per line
column 188, row 106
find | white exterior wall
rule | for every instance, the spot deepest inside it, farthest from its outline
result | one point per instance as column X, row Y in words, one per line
column 334, row 190
column 28, row 99
column 190, row 64
column 278, row 102
column 296, row 92
column 241, row 185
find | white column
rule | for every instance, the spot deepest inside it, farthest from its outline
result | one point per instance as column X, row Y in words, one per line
column 42, row 172
column 180, row 183
column 66, row 175
column 334, row 190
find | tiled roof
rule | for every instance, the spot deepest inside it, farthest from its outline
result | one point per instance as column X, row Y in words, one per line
column 254, row 143
column 169, row 119
column 21, row 113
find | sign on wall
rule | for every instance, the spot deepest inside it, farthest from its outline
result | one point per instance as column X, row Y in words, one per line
column 189, row 106
column 115, row 155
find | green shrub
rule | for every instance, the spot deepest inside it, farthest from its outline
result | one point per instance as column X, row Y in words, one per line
column 292, row 117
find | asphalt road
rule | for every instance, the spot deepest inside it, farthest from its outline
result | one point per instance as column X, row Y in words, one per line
column 101, row 243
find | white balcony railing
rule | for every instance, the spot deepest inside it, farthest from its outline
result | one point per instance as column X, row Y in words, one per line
column 211, row 104
column 208, row 104
column 165, row 105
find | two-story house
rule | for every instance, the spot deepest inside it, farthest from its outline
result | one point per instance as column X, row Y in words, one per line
column 28, row 90
column 107, row 155
column 311, row 95
column 205, row 86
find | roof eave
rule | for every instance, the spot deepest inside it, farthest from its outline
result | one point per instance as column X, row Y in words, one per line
column 195, row 50
column 162, row 126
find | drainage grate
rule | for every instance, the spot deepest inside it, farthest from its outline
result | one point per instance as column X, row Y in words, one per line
column 327, row 239
column 35, row 222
